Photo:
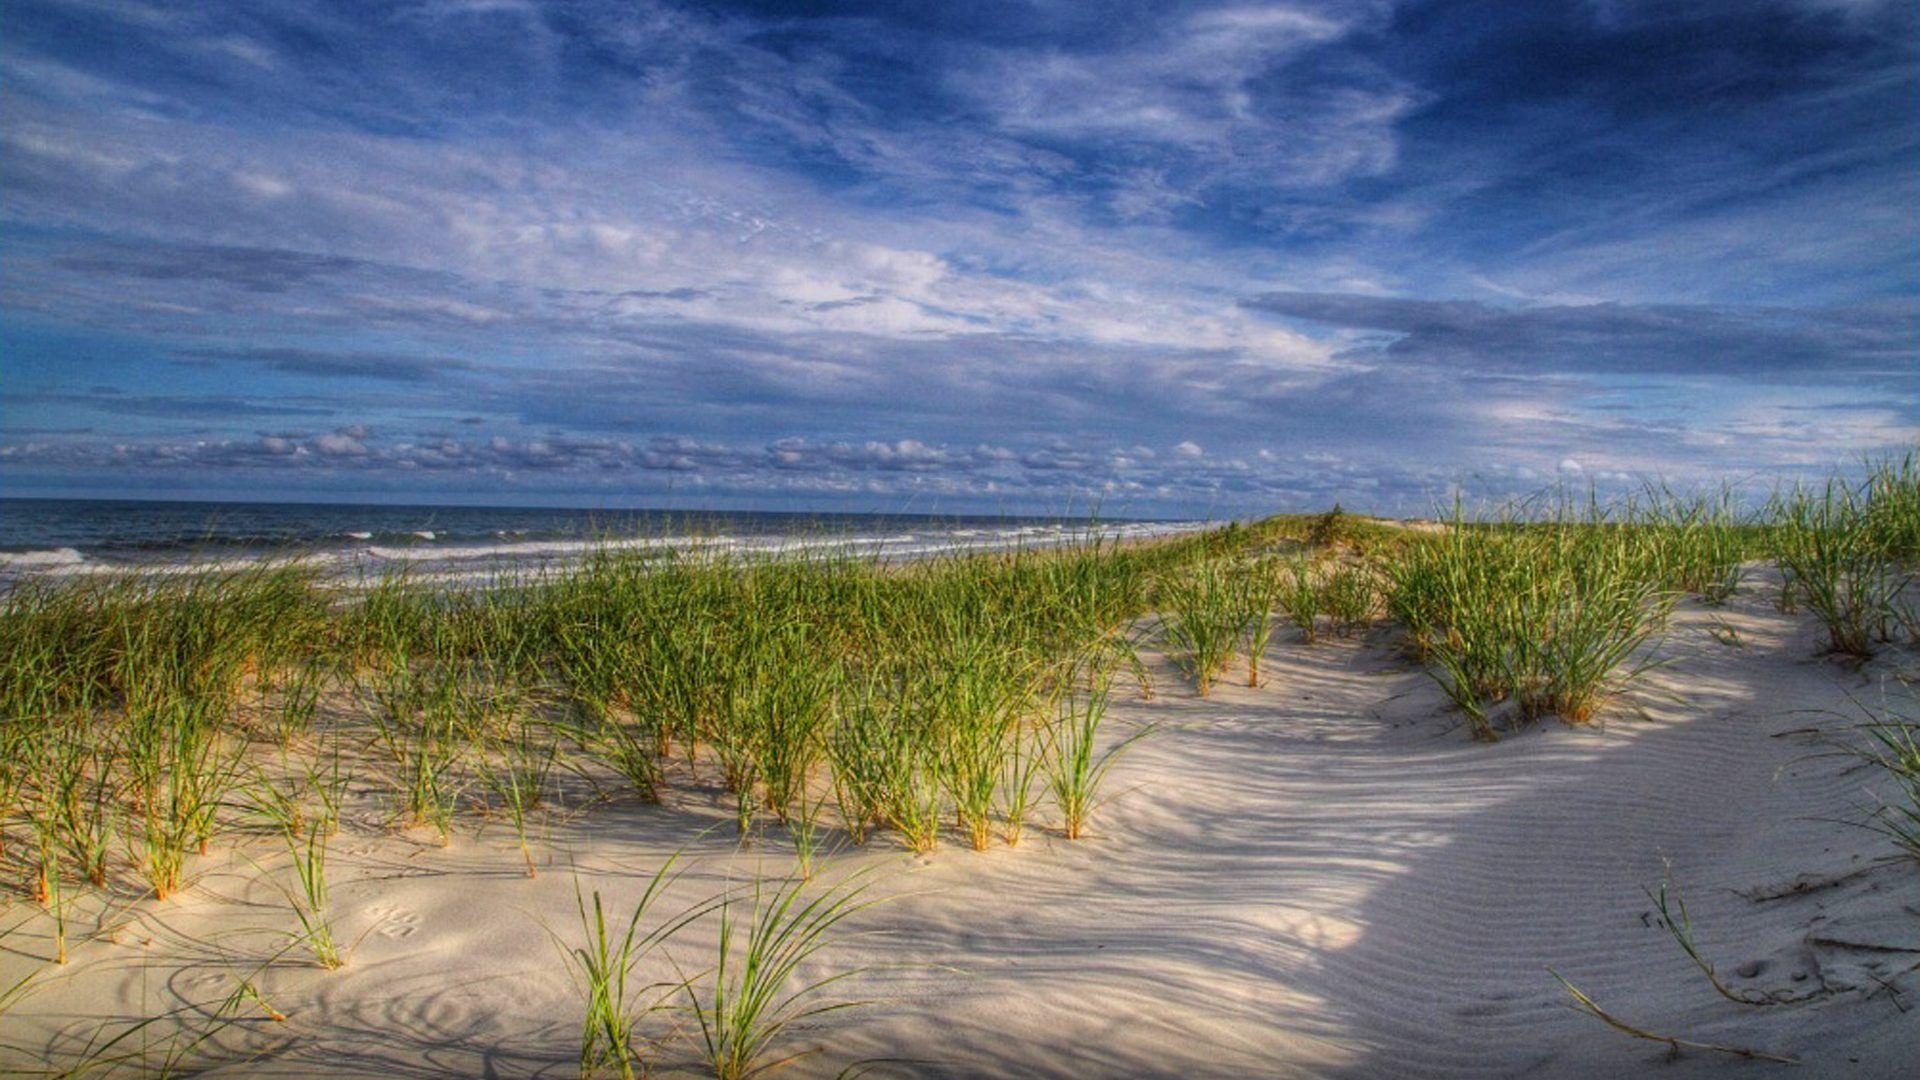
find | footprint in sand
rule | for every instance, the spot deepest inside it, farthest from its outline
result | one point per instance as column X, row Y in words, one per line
column 395, row 923
column 209, row 982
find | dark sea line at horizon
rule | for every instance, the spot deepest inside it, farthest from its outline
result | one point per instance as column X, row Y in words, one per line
column 73, row 536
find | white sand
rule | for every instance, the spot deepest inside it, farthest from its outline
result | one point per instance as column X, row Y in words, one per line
column 1322, row 877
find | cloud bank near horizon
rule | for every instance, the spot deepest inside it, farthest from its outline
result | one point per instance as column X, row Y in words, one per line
column 1191, row 258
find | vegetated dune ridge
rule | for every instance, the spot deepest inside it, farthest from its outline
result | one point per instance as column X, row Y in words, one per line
column 1321, row 877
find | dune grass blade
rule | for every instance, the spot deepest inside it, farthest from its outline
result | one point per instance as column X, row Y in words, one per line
column 310, row 903
column 1895, row 750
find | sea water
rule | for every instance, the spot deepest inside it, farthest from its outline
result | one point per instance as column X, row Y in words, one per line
column 79, row 536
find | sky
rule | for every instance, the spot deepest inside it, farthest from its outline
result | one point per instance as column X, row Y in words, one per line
column 1148, row 258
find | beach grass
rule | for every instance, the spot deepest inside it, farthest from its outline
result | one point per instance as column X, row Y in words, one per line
column 1202, row 619
column 1550, row 613
column 913, row 695
column 940, row 698
column 761, row 984
column 603, row 961
column 1891, row 745
column 1847, row 552
column 1074, row 764
column 956, row 699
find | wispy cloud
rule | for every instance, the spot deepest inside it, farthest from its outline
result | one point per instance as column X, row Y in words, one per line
column 997, row 253
column 325, row 364
column 1624, row 339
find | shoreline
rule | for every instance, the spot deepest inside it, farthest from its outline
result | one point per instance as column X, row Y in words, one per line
column 456, row 562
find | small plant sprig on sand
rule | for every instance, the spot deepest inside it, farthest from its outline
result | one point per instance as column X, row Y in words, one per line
column 1075, row 769
column 182, row 770
column 1673, row 1044
column 87, row 793
column 309, row 850
column 418, row 716
column 915, row 794
column 305, row 834
column 1022, row 767
column 1679, row 924
column 803, row 826
column 603, row 970
column 54, row 896
column 756, row 992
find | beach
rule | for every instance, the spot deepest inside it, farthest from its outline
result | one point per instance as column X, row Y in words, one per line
column 1173, row 540
column 1321, row 876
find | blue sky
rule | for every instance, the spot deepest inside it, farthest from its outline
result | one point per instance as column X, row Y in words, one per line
column 1164, row 258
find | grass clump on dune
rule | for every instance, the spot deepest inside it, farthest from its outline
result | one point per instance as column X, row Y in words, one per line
column 1896, row 751
column 604, row 968
column 914, row 698
column 1074, row 767
column 759, row 987
column 1202, row 619
column 1697, row 544
column 1847, row 552
column 1350, row 596
column 1261, row 585
column 1547, row 614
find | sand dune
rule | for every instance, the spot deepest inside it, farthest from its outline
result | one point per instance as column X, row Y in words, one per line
column 1321, row 877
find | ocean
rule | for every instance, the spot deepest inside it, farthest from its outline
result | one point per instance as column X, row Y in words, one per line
column 77, row 536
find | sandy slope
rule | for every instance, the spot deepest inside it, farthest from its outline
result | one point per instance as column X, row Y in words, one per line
column 1321, row 877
